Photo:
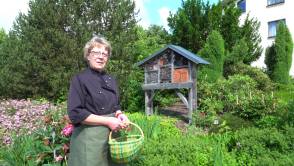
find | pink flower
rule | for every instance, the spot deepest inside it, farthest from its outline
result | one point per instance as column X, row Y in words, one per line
column 58, row 158
column 65, row 148
column 67, row 130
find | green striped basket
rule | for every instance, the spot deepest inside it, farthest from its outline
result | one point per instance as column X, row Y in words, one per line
column 125, row 148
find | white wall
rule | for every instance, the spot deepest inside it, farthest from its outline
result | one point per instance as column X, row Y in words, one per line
column 259, row 10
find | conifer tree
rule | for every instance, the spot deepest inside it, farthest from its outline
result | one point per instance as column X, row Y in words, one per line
column 279, row 55
column 214, row 52
column 45, row 46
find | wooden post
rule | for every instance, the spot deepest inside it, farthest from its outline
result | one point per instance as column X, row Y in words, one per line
column 194, row 76
column 149, row 102
column 190, row 108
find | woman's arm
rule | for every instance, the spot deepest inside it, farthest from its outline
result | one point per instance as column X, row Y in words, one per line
column 111, row 122
column 75, row 106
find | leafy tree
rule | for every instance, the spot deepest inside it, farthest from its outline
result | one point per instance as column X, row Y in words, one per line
column 279, row 55
column 148, row 42
column 214, row 52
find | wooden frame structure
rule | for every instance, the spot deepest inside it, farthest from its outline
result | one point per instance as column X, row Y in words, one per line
column 172, row 67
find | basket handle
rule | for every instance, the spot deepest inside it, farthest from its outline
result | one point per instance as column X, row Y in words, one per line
column 134, row 124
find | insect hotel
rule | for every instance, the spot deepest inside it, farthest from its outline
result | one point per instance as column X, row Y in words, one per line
column 172, row 67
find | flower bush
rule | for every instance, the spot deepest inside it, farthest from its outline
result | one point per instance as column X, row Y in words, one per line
column 21, row 117
column 40, row 126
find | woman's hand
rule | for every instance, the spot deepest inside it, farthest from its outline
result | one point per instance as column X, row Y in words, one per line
column 123, row 118
column 114, row 123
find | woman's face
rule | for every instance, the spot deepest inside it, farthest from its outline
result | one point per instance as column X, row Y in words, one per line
column 98, row 57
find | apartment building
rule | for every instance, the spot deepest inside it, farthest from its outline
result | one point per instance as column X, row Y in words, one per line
column 269, row 13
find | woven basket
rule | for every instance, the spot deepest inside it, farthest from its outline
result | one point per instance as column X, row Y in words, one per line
column 124, row 149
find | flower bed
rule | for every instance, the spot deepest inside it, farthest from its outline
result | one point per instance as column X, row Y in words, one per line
column 21, row 117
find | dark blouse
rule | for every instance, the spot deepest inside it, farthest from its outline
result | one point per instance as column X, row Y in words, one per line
column 92, row 92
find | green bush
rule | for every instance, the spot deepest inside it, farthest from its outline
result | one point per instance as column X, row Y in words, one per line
column 187, row 150
column 238, row 95
column 177, row 151
column 234, row 122
column 268, row 121
column 133, row 99
column 284, row 92
column 204, row 119
column 253, row 146
column 164, row 98
column 287, row 116
column 263, row 81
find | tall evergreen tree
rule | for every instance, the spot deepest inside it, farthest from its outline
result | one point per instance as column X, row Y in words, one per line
column 250, row 34
column 279, row 55
column 236, row 57
column 214, row 52
column 195, row 20
column 270, row 59
column 189, row 24
column 239, row 52
column 3, row 35
column 230, row 29
column 48, row 42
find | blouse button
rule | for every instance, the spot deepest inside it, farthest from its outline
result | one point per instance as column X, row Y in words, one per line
column 109, row 78
column 102, row 108
column 99, row 92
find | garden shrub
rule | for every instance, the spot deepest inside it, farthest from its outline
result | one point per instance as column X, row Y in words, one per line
column 234, row 122
column 253, row 146
column 289, row 116
column 238, row 95
column 284, row 92
column 133, row 99
column 176, row 151
column 164, row 98
column 268, row 121
column 187, row 150
column 204, row 119
column 263, row 81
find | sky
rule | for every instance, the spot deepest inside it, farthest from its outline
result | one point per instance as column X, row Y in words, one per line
column 150, row 11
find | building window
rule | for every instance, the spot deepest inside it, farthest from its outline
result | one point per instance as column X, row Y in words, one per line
column 273, row 2
column 242, row 5
column 272, row 27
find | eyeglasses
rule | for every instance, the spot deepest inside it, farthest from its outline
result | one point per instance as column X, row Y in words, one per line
column 97, row 54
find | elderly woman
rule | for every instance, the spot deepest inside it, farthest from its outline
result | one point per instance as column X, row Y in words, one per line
column 93, row 107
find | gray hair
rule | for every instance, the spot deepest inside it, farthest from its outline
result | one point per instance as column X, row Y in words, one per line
column 96, row 40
